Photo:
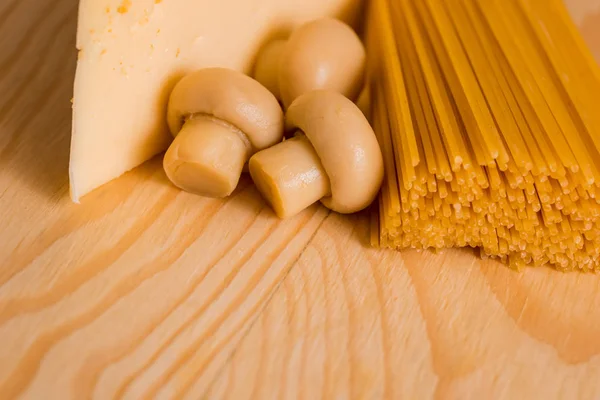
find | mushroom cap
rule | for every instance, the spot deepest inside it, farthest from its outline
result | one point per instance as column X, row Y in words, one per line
column 229, row 96
column 266, row 68
column 322, row 54
column 345, row 144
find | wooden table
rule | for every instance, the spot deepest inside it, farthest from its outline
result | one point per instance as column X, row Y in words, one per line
column 145, row 291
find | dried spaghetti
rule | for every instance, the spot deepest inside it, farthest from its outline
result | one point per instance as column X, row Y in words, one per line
column 486, row 114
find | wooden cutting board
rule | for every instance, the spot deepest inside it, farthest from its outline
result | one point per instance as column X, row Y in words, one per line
column 145, row 291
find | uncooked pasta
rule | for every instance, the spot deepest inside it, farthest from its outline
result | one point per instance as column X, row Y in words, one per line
column 486, row 113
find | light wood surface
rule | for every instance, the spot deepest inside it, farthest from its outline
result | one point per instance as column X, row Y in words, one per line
column 147, row 292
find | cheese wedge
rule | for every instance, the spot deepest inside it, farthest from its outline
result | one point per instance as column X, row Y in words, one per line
column 132, row 52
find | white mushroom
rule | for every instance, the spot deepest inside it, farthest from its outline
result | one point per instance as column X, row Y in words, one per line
column 321, row 54
column 334, row 157
column 219, row 118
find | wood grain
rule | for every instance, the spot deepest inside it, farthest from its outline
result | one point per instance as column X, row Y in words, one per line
column 358, row 323
column 147, row 292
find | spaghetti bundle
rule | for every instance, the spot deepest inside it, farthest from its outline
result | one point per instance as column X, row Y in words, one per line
column 486, row 112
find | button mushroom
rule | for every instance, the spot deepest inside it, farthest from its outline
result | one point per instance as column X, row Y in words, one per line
column 219, row 118
column 334, row 157
column 321, row 54
column 266, row 68
column 364, row 101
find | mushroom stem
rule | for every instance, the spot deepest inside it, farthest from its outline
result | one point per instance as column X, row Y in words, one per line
column 290, row 176
column 207, row 157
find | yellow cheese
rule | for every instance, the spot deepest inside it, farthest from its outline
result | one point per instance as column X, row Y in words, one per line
column 131, row 52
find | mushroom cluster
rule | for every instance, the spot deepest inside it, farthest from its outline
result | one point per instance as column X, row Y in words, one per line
column 223, row 120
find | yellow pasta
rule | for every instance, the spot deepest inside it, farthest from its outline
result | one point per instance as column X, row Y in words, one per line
column 486, row 114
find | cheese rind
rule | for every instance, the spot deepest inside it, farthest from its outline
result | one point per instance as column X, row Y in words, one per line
column 133, row 52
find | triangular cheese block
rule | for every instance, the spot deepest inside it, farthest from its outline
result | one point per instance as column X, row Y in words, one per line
column 133, row 51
